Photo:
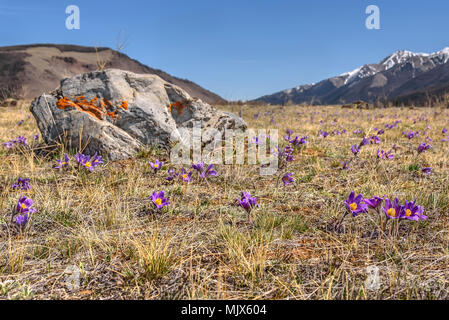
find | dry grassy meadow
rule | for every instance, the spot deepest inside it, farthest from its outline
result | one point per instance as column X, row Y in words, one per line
column 202, row 247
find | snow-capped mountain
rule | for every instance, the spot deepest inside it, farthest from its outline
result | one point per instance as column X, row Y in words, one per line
column 379, row 81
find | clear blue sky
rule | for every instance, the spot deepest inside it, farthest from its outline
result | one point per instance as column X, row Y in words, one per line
column 239, row 49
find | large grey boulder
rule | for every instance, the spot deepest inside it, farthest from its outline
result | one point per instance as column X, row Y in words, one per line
column 147, row 120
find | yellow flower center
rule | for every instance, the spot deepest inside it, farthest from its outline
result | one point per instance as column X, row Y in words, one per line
column 88, row 164
column 391, row 212
column 156, row 165
column 408, row 212
column 64, row 163
column 353, row 206
column 158, row 201
column 23, row 206
column 184, row 176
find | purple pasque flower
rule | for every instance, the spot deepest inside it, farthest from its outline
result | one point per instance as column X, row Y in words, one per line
column 156, row 165
column 172, row 174
column 364, row 142
column 159, row 199
column 257, row 141
column 423, row 147
column 289, row 157
column 357, row 131
column 287, row 179
column 380, row 132
column 185, row 176
column 355, row 149
column 247, row 202
column 374, row 202
column 208, row 172
column 25, row 205
column 381, row 154
column 355, row 205
column 21, row 140
column 283, row 154
column 22, row 220
column 324, row 134
column 392, row 209
column 88, row 162
column 427, row 170
column 203, row 174
column 411, row 134
column 413, row 212
column 9, row 144
column 62, row 163
column 199, row 167
column 345, row 165
column 288, row 135
column 36, row 137
column 297, row 141
column 375, row 140
column 22, row 184
column 444, row 130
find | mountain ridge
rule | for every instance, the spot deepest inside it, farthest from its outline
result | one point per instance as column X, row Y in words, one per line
column 27, row 71
column 388, row 79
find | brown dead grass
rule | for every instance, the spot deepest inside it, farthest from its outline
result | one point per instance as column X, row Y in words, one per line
column 201, row 247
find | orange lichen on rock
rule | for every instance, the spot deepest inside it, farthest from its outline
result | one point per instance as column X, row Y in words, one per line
column 180, row 106
column 98, row 108
column 124, row 105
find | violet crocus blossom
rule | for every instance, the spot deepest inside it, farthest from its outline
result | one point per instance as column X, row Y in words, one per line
column 21, row 140
column 25, row 205
column 355, row 149
column 90, row 163
column 22, row 184
column 22, row 220
column 156, row 165
column 9, row 144
column 355, row 205
column 185, row 176
column 392, row 209
column 209, row 172
column 374, row 202
column 381, row 154
column 427, row 170
column 423, row 147
column 297, row 141
column 172, row 174
column 287, row 179
column 375, row 140
column 364, row 142
column 247, row 202
column 413, row 212
column 63, row 163
column 159, row 200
